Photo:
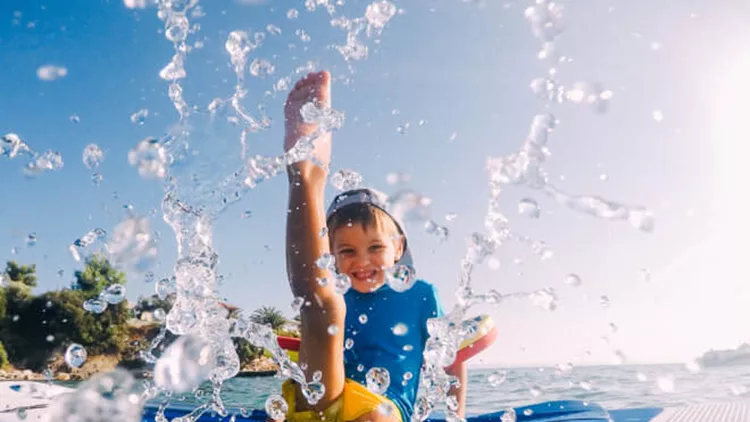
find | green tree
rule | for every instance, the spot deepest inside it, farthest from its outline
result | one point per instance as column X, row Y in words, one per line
column 3, row 356
column 97, row 275
column 268, row 315
column 24, row 274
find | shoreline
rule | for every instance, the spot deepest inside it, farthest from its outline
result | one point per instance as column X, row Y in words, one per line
column 259, row 367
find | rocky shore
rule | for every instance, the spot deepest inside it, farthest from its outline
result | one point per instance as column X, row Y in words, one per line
column 59, row 371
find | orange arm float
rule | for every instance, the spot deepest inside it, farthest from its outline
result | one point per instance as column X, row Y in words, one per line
column 484, row 337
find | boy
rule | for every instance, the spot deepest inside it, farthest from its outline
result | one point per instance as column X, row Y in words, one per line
column 384, row 330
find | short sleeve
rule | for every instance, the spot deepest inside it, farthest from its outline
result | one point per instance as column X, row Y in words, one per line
column 434, row 307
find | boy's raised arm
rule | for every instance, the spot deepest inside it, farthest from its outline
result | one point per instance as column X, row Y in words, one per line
column 306, row 213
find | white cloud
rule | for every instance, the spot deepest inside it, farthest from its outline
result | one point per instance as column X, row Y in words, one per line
column 51, row 73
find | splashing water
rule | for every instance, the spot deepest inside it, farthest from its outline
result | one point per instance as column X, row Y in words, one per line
column 139, row 117
column 92, row 156
column 344, row 180
column 184, row 365
column 110, row 396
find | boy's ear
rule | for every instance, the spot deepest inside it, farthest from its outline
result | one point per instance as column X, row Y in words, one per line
column 398, row 241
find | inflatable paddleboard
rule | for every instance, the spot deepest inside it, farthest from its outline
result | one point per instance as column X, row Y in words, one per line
column 24, row 401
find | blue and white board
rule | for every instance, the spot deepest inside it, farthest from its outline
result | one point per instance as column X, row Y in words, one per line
column 14, row 403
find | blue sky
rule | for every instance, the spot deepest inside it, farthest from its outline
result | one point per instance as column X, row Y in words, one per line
column 463, row 68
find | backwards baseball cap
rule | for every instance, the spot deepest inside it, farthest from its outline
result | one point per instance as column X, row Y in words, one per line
column 375, row 199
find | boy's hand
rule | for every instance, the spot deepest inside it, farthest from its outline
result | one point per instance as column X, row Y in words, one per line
column 315, row 87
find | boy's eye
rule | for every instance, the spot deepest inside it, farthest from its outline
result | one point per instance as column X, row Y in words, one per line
column 376, row 247
column 346, row 251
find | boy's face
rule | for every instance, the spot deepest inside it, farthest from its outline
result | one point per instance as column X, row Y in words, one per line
column 364, row 254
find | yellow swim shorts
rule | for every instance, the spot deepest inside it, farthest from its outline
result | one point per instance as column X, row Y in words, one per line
column 354, row 402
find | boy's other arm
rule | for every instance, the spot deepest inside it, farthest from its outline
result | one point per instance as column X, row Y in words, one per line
column 459, row 371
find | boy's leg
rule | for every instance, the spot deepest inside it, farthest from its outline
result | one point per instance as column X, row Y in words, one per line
column 322, row 322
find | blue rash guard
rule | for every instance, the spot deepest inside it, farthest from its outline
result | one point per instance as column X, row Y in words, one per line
column 389, row 330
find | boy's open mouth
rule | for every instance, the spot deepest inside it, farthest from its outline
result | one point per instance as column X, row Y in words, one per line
column 365, row 275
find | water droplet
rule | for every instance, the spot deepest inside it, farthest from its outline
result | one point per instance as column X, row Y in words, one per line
column 95, row 305
column 433, row 228
column 378, row 380
column 50, row 338
column 536, row 391
column 15, row 318
column 378, row 13
column 333, row 329
column 282, row 84
column 348, row 344
column 176, row 27
column 150, row 158
column 297, row 304
column 642, row 220
column 303, row 36
column 586, row 385
column 641, row 376
column 645, row 275
column 313, row 392
column 397, row 178
column 509, row 415
column 273, row 29
column 573, row 280
column 60, row 272
column 400, row 329
column 22, row 413
column 292, row 14
column 665, row 384
column 604, row 301
column 50, row 73
column 185, row 364
column 139, row 117
column 159, row 314
column 323, row 232
column 276, row 407
column 346, row 179
column 497, row 378
column 362, row 318
column 451, row 216
column 528, row 412
column 693, row 366
column 325, row 117
column 529, row 208
column 408, row 348
column 400, row 277
column 545, row 298
column 49, row 161
column 342, row 283
column 657, row 115
column 403, row 129
column 48, row 374
column 96, row 179
column 591, row 94
column 261, row 68
column 360, row 367
column 322, row 281
column 165, row 287
column 114, row 294
column 31, row 239
column 247, row 214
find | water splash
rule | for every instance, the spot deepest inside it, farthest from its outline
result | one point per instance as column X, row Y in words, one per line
column 92, row 156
